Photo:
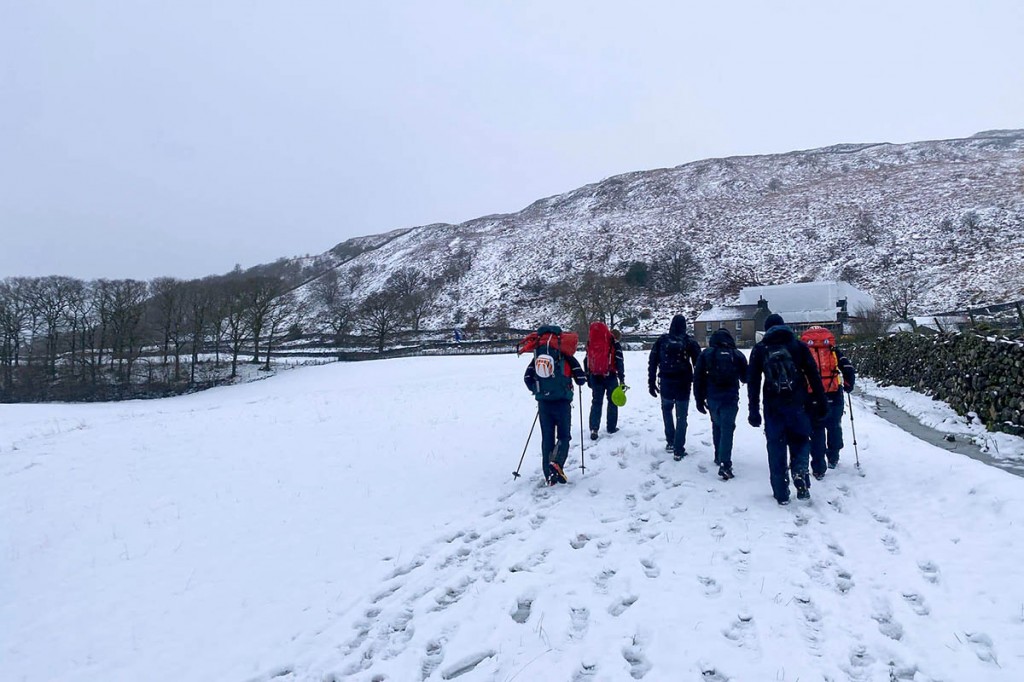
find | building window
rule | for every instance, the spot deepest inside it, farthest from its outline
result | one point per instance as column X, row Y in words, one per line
column 708, row 327
column 739, row 325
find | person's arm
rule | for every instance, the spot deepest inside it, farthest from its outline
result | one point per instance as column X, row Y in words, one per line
column 620, row 362
column 847, row 370
column 693, row 348
column 754, row 370
column 741, row 365
column 700, row 382
column 578, row 375
column 530, row 378
column 652, row 368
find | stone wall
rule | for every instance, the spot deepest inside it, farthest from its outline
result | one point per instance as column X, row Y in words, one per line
column 971, row 373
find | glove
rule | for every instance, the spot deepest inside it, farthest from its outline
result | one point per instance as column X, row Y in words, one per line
column 652, row 389
column 848, row 386
column 702, row 407
column 580, row 380
column 754, row 418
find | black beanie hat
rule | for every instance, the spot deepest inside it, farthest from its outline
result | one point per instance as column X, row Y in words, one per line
column 773, row 320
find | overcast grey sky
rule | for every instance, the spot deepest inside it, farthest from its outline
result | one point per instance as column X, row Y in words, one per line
column 178, row 138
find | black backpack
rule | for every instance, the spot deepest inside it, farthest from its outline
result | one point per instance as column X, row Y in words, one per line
column 722, row 369
column 781, row 377
column 672, row 359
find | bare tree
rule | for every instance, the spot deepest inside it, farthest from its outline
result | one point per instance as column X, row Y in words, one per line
column 900, row 295
column 676, row 270
column 281, row 310
column 236, row 317
column 870, row 322
column 336, row 306
column 415, row 292
column 262, row 292
column 380, row 315
column 127, row 306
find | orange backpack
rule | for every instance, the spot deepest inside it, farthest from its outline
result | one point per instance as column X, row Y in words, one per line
column 822, row 344
column 600, row 350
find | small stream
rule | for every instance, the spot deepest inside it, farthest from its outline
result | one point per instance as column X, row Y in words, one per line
column 960, row 443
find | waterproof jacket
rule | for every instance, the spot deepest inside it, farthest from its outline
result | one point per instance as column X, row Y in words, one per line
column 704, row 385
column 673, row 385
column 807, row 373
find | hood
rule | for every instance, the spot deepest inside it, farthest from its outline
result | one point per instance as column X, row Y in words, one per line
column 678, row 325
column 721, row 338
column 779, row 334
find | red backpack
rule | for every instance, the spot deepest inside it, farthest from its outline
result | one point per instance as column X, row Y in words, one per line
column 600, row 350
column 822, row 344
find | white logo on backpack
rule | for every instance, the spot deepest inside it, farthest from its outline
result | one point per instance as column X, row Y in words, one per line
column 544, row 366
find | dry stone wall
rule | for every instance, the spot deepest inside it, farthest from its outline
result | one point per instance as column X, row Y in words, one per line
column 973, row 374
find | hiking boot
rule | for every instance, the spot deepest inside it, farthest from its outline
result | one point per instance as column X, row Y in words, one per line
column 725, row 472
column 678, row 454
column 833, row 462
column 783, row 502
column 613, row 429
column 557, row 474
column 818, row 476
column 803, row 494
column 802, row 483
column 593, row 435
column 669, row 447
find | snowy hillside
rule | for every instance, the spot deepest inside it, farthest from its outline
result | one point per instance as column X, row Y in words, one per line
column 278, row 531
column 951, row 210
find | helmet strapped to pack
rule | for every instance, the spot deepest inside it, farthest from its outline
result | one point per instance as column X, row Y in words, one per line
column 550, row 348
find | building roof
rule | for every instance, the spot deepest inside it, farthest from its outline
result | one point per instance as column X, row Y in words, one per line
column 726, row 313
column 806, row 302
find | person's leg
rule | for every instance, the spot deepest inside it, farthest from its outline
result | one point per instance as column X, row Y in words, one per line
column 670, row 424
column 563, row 427
column 726, row 425
column 679, row 443
column 817, row 445
column 716, row 431
column 775, row 437
column 798, row 437
column 597, row 393
column 834, row 427
column 547, row 434
column 613, row 410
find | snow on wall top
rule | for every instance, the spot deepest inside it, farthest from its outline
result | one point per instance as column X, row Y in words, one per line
column 808, row 301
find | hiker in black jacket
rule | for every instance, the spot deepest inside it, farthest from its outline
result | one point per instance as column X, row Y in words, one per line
column 716, row 390
column 670, row 370
column 788, row 370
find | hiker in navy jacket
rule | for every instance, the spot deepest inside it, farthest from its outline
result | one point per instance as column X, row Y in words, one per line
column 670, row 372
column 788, row 370
column 716, row 390
column 554, row 393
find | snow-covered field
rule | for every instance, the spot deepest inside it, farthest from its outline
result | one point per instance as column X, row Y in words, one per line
column 360, row 521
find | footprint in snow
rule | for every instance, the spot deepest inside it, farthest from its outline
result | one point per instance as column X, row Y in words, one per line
column 620, row 605
column 858, row 665
column 432, row 659
column 602, row 578
column 466, row 665
column 634, row 655
column 891, row 544
column 886, row 624
column 710, row 585
column 651, row 569
column 452, row 593
column 812, row 622
column 844, row 581
column 929, row 571
column 916, row 603
column 836, row 549
column 522, row 610
column 579, row 621
column 537, row 521
column 580, row 541
column 586, row 671
column 741, row 631
column 983, row 646
column 710, row 673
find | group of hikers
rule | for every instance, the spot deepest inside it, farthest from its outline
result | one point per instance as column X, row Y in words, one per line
column 798, row 381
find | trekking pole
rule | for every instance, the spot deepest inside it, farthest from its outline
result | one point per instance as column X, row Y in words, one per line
column 515, row 474
column 583, row 461
column 856, row 455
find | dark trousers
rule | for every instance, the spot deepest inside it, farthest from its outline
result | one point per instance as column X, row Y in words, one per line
column 555, row 423
column 723, row 413
column 788, row 428
column 827, row 435
column 675, row 428
column 602, row 388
